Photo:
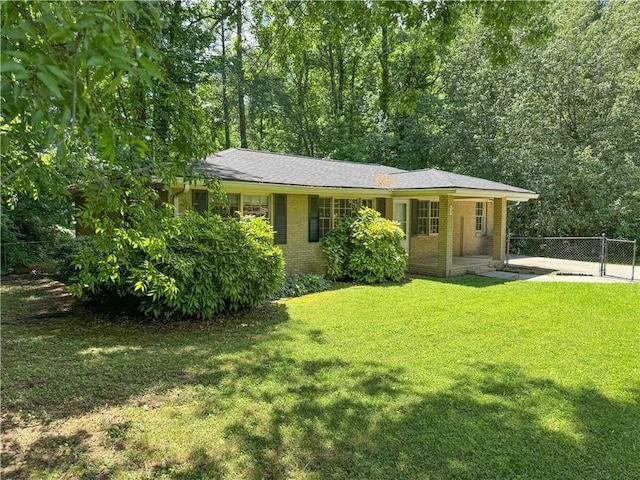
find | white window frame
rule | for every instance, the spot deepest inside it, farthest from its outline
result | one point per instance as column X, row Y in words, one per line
column 256, row 205
column 481, row 218
column 434, row 218
column 422, row 214
column 350, row 206
column 325, row 215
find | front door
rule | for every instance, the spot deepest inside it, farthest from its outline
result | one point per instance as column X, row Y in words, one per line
column 401, row 215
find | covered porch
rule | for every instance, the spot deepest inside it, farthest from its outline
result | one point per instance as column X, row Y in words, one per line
column 462, row 243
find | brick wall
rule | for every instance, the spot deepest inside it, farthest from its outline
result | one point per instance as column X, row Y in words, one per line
column 300, row 256
column 466, row 241
column 423, row 246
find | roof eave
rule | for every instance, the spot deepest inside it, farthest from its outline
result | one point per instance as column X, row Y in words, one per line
column 304, row 189
column 466, row 193
column 245, row 185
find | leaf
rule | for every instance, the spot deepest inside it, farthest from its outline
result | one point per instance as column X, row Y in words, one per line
column 36, row 118
column 95, row 60
column 9, row 66
column 58, row 72
column 50, row 83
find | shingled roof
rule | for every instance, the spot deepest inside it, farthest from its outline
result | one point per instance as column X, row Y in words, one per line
column 282, row 169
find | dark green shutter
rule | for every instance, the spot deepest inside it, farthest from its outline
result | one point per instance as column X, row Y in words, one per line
column 280, row 220
column 381, row 206
column 414, row 218
column 314, row 229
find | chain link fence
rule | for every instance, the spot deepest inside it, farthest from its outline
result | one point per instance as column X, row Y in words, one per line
column 597, row 256
column 619, row 258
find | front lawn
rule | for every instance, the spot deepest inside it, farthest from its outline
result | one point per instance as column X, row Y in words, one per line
column 469, row 378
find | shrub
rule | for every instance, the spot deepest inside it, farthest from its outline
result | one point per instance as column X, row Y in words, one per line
column 202, row 266
column 365, row 248
column 302, row 284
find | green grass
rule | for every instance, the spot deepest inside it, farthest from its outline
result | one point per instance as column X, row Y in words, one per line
column 470, row 378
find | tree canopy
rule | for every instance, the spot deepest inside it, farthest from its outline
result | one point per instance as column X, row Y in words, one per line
column 113, row 96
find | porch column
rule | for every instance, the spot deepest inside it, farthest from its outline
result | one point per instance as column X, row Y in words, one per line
column 445, row 235
column 499, row 228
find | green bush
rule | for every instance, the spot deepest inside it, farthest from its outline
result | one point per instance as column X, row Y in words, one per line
column 202, row 266
column 365, row 248
column 302, row 284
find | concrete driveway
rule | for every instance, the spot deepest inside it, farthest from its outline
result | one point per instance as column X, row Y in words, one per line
column 575, row 268
column 555, row 278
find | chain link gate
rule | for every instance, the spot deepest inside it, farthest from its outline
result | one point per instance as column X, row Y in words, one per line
column 619, row 258
column 596, row 256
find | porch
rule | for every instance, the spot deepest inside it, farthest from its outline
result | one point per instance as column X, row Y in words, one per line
column 459, row 265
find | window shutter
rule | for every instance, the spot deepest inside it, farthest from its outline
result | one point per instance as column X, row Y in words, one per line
column 414, row 218
column 381, row 206
column 314, row 229
column 280, row 219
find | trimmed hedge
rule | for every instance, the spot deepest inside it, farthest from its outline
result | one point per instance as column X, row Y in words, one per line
column 200, row 267
column 365, row 248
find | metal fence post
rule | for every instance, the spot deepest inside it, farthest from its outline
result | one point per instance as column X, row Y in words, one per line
column 603, row 242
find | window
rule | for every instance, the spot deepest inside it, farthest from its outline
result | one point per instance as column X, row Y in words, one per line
column 422, row 207
column 232, row 206
column 324, row 216
column 343, row 207
column 434, row 218
column 256, row 205
column 200, row 200
column 326, row 212
column 234, row 202
column 425, row 217
column 481, row 223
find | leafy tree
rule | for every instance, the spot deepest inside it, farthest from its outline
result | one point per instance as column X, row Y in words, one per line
column 558, row 120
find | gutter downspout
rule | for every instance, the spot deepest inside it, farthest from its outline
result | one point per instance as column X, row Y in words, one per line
column 176, row 199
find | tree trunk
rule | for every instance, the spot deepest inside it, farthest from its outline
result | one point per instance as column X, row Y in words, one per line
column 384, row 76
column 225, row 99
column 242, row 119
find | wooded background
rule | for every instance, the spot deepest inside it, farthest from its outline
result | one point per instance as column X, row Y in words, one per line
column 544, row 96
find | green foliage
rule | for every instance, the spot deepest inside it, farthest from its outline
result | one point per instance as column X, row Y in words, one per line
column 219, row 265
column 365, row 248
column 35, row 235
column 100, row 96
column 559, row 120
column 199, row 267
column 302, row 284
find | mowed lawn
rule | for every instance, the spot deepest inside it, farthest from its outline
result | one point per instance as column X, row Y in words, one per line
column 469, row 378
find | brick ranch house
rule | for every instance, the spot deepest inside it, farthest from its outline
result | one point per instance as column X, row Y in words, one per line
column 453, row 223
